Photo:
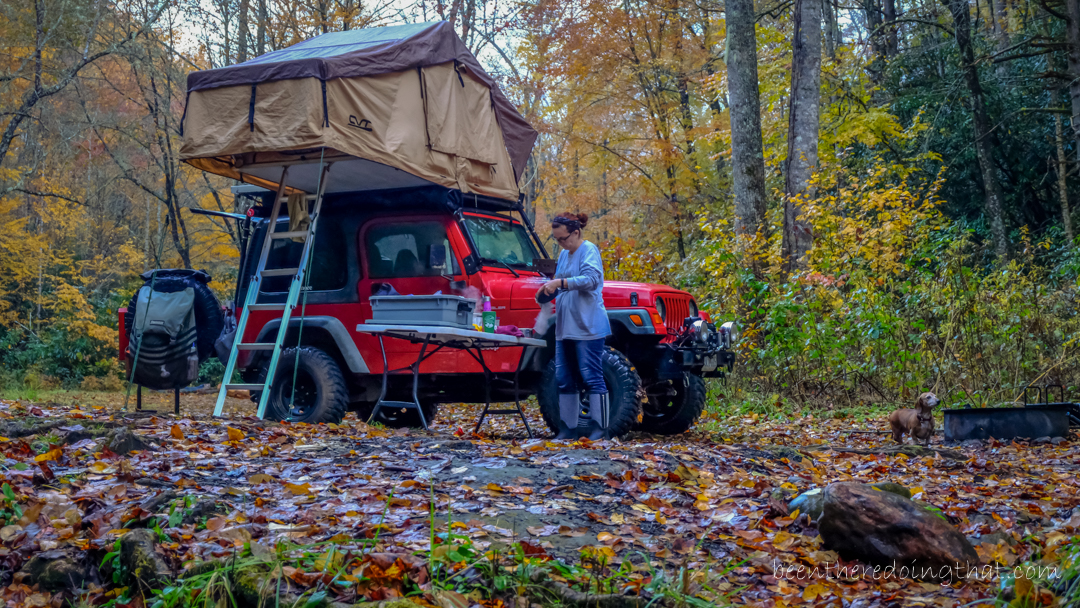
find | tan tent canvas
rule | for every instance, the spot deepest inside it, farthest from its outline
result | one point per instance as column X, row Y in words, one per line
column 391, row 107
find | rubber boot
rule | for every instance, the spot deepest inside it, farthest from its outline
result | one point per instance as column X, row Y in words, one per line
column 598, row 417
column 569, row 407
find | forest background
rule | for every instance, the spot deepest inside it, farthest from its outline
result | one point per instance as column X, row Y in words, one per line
column 879, row 191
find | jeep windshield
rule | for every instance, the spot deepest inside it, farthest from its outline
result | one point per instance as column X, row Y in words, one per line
column 501, row 242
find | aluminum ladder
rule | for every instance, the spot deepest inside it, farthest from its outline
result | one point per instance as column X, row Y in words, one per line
column 295, row 288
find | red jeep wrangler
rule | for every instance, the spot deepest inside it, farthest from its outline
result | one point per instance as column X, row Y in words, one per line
column 426, row 240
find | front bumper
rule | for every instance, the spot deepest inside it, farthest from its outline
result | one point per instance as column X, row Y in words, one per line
column 702, row 361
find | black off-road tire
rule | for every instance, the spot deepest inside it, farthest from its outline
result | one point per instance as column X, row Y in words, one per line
column 674, row 414
column 209, row 317
column 321, row 394
column 623, row 387
column 398, row 418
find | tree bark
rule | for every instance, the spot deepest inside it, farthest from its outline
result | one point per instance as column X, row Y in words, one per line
column 892, row 37
column 747, row 158
column 242, row 33
column 260, row 41
column 983, row 148
column 803, row 119
column 1072, row 37
column 1062, row 171
column 831, row 41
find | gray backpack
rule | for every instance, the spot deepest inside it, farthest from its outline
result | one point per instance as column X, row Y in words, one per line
column 163, row 339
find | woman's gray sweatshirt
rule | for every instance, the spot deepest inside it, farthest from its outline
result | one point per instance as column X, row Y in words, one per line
column 579, row 310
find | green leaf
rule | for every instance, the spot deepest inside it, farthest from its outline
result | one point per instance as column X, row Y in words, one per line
column 316, row 598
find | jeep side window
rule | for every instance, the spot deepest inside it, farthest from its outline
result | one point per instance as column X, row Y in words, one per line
column 409, row 250
column 329, row 264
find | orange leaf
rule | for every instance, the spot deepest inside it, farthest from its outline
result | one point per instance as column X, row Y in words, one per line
column 235, row 434
column 176, row 432
column 53, row 454
column 298, row 489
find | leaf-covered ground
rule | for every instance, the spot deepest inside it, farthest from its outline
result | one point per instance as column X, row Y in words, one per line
column 349, row 512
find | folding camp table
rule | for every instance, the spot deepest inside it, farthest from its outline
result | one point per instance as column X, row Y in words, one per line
column 472, row 342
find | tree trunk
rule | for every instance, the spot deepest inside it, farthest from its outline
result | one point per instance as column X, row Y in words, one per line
column 829, row 15
column 803, row 119
column 872, row 11
column 1072, row 37
column 1062, row 170
column 983, row 148
column 260, row 42
column 747, row 158
column 892, row 37
column 242, row 33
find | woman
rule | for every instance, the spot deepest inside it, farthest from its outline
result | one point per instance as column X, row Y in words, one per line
column 581, row 325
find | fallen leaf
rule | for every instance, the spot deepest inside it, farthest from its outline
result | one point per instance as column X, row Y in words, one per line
column 298, row 489
column 235, row 434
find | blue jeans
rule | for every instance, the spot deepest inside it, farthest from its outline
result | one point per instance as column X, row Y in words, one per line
column 578, row 365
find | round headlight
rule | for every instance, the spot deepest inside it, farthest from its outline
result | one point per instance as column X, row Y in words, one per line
column 700, row 330
column 693, row 308
column 731, row 332
column 661, row 310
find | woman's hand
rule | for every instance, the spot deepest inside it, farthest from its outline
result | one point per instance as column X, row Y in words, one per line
column 551, row 286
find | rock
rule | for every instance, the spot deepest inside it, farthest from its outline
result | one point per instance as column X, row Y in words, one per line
column 57, row 571
column 1041, row 440
column 971, row 443
column 894, row 488
column 1058, row 440
column 122, row 441
column 812, row 503
column 994, row 539
column 144, row 567
column 204, row 507
column 886, row 529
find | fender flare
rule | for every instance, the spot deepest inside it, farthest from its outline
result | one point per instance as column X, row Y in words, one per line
column 622, row 317
column 333, row 327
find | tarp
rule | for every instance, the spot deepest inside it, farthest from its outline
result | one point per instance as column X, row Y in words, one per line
column 392, row 106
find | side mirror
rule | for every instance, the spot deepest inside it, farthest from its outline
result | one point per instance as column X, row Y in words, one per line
column 437, row 256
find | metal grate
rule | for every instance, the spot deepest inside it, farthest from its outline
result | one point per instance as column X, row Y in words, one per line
column 678, row 308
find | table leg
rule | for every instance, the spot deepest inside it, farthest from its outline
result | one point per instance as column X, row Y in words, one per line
column 517, row 401
column 176, row 402
column 479, row 356
column 385, row 380
column 416, row 380
column 138, row 397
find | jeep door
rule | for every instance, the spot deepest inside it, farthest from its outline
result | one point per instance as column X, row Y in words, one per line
column 416, row 255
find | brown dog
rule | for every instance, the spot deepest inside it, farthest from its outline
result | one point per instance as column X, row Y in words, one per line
column 918, row 422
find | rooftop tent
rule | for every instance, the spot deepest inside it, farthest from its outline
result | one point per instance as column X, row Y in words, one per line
column 391, row 107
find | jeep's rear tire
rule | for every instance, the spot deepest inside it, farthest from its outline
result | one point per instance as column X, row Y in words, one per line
column 674, row 406
column 398, row 418
column 623, row 386
column 321, row 394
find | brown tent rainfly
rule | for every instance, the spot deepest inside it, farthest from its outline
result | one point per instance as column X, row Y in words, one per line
column 392, row 107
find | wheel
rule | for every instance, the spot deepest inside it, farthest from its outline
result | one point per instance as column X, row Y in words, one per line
column 209, row 318
column 623, row 384
column 673, row 406
column 400, row 417
column 321, row 395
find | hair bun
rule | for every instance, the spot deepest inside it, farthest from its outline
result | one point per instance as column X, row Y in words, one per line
column 581, row 218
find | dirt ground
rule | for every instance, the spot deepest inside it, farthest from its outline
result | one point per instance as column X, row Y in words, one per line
column 701, row 502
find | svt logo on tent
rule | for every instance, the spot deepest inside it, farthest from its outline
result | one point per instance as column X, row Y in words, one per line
column 359, row 123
